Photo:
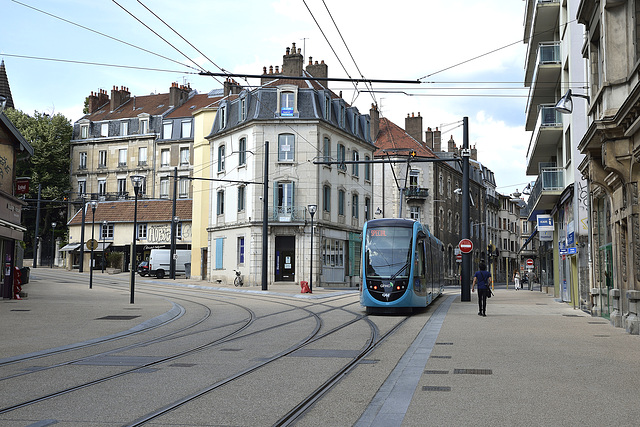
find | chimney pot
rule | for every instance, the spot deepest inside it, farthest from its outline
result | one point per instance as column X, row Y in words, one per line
column 310, row 60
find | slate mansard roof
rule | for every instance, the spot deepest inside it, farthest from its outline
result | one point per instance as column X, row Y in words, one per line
column 262, row 105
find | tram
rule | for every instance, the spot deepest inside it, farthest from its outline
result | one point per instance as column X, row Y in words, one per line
column 402, row 265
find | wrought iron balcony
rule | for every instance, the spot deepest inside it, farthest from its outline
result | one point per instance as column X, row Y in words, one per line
column 416, row 193
column 287, row 213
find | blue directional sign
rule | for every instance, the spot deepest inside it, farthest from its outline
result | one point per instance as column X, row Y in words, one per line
column 545, row 222
column 568, row 251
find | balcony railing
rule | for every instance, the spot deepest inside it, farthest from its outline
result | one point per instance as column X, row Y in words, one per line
column 549, row 53
column 549, row 116
column 550, row 179
column 288, row 213
column 417, row 193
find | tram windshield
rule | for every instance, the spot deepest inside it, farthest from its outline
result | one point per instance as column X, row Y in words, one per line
column 388, row 252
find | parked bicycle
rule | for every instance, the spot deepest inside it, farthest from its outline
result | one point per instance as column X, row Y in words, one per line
column 238, row 280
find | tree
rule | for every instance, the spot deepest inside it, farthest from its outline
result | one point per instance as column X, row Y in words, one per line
column 49, row 167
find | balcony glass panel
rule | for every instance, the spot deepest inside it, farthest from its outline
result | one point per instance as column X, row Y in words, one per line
column 549, row 53
column 549, row 116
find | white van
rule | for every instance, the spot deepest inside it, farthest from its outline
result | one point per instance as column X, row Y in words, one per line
column 159, row 261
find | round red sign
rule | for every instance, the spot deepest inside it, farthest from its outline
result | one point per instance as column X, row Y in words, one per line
column 465, row 246
column 529, row 262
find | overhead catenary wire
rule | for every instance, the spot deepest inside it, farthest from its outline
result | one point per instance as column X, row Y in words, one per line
column 101, row 34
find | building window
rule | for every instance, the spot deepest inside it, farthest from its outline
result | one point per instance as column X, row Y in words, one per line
column 342, row 116
column 333, row 253
column 124, row 128
column 243, row 108
column 367, row 208
column 165, row 157
column 142, row 232
column 82, row 187
column 142, row 156
column 241, row 198
column 220, row 203
column 184, row 156
column 242, row 152
column 104, row 129
column 102, row 159
column 326, row 198
column 102, row 187
column 164, row 188
column 414, row 174
column 355, row 209
column 222, row 112
column 144, row 126
column 285, row 197
column 84, row 131
column 241, row 250
column 327, row 107
column 185, row 131
column 122, row 186
column 122, row 157
column 355, row 170
column 287, row 103
column 285, row 147
column 440, row 183
column 183, row 187
column 341, row 202
column 83, row 160
column 342, row 157
column 326, row 149
column 166, row 130
column 179, row 230
column 221, row 158
column 367, row 168
column 219, row 253
column 414, row 212
column 106, row 231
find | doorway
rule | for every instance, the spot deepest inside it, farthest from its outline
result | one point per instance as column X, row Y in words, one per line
column 285, row 258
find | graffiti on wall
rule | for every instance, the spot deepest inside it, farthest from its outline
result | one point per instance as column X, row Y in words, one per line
column 582, row 193
column 162, row 233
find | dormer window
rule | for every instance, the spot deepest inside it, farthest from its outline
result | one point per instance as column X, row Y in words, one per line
column 286, row 104
column 327, row 107
column 144, row 126
column 167, row 127
column 223, row 116
column 84, row 131
column 242, row 105
column 104, row 129
column 342, row 115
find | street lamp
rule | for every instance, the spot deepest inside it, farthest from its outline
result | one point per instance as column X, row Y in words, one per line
column 312, row 212
column 93, row 245
column 53, row 243
column 104, row 237
column 565, row 104
column 136, row 181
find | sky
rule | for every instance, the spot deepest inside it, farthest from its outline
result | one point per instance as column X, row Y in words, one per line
column 468, row 57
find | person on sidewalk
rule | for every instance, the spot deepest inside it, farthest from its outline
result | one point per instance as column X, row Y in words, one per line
column 516, row 280
column 482, row 278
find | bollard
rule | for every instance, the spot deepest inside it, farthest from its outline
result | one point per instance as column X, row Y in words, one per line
column 632, row 323
column 616, row 315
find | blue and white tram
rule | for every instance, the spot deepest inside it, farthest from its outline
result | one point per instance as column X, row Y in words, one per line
column 402, row 265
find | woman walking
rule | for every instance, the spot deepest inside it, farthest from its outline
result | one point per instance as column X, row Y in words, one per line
column 516, row 280
column 482, row 278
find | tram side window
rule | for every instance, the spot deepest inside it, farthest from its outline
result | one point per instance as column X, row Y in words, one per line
column 419, row 271
column 429, row 262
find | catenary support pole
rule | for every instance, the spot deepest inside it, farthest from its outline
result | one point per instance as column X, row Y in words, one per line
column 265, row 218
column 466, row 257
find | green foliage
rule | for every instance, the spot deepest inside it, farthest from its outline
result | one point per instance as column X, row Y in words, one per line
column 49, row 166
column 115, row 260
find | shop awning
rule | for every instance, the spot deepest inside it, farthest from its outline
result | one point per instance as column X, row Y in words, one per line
column 528, row 240
column 102, row 246
column 70, row 247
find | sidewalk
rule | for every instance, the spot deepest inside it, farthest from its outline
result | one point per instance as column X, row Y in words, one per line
column 532, row 361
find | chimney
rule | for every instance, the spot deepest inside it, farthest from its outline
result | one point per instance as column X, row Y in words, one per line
column 97, row 100
column 474, row 153
column 451, row 145
column 292, row 62
column 178, row 94
column 374, row 115
column 118, row 97
column 413, row 126
column 437, row 140
column 231, row 87
column 320, row 71
column 428, row 136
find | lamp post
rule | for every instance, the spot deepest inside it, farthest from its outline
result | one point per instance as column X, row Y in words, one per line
column 136, row 181
column 104, row 237
column 312, row 212
column 94, row 205
column 53, row 243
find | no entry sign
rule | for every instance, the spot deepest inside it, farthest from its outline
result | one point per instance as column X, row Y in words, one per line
column 465, row 246
column 529, row 262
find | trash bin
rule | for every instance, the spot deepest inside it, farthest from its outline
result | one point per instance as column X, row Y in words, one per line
column 24, row 272
column 187, row 269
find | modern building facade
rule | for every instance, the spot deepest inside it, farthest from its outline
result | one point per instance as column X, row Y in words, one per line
column 554, row 65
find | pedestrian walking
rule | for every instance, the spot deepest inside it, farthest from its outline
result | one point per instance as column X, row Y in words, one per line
column 482, row 278
column 516, row 280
